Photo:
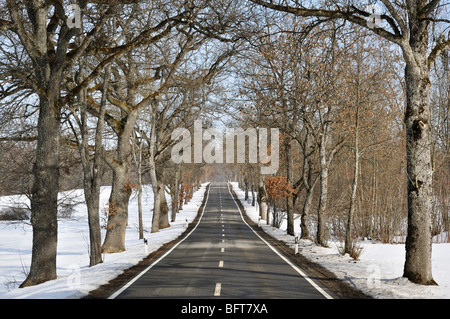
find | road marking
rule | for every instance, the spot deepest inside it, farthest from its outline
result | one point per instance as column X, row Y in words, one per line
column 221, row 264
column 222, row 250
column 217, row 289
column 318, row 288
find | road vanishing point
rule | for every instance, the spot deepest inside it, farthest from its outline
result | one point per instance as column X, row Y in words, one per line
column 222, row 257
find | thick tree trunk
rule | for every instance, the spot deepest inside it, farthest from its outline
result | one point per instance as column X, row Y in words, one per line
column 44, row 201
column 262, row 199
column 304, row 218
column 118, row 211
column 418, row 150
column 48, row 76
column 156, row 210
column 420, row 176
column 95, row 240
column 121, row 191
column 164, row 208
column 309, row 184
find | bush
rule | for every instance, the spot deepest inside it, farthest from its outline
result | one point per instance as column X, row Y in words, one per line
column 14, row 213
column 65, row 210
column 355, row 249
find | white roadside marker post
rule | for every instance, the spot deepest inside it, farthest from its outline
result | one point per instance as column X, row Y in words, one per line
column 145, row 246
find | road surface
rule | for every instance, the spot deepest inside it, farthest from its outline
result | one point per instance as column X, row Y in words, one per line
column 221, row 258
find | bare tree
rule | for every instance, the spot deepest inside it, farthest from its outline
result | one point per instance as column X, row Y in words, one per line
column 41, row 29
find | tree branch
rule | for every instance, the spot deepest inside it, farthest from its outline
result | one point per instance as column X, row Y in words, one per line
column 396, row 16
column 118, row 52
column 340, row 13
column 429, row 8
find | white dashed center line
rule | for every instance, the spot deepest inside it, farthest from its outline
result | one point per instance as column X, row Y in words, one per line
column 218, row 289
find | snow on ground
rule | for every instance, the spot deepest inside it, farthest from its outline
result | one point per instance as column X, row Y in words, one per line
column 75, row 277
column 379, row 270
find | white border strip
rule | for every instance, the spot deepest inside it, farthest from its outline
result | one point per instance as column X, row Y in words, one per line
column 325, row 294
column 118, row 292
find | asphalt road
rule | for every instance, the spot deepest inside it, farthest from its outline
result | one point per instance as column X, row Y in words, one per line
column 222, row 258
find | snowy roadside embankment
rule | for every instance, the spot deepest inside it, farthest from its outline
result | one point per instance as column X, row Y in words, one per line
column 379, row 271
column 75, row 277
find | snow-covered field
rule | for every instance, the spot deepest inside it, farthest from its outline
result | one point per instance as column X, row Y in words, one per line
column 380, row 267
column 75, row 277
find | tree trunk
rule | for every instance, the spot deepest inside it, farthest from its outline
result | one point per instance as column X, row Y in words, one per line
column 351, row 212
column 309, row 186
column 348, row 245
column 44, row 194
column 139, row 172
column 262, row 199
column 95, row 240
column 274, row 213
column 304, row 218
column 245, row 189
column 253, row 194
column 44, row 200
column 118, row 210
column 289, row 207
column 321, row 238
column 419, row 170
column 418, row 150
column 176, row 195
column 141, row 224
column 121, row 191
column 92, row 171
column 164, row 208
column 92, row 197
column 156, row 205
